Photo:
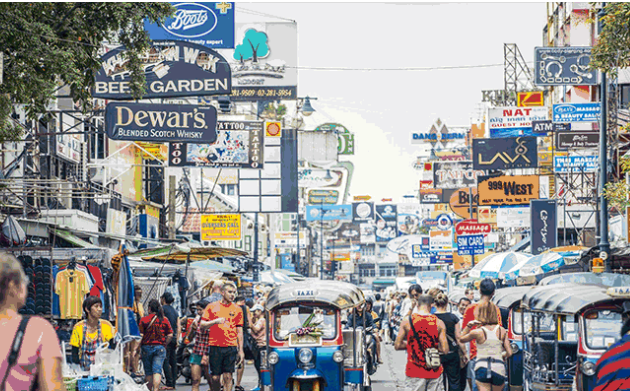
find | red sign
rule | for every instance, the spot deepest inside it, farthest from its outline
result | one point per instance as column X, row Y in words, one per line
column 426, row 184
column 472, row 227
column 387, row 200
column 529, row 99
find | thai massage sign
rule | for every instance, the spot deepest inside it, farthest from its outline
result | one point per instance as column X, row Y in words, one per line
column 171, row 69
column 161, row 122
column 508, row 190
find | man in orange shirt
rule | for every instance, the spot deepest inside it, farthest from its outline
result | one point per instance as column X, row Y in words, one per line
column 226, row 338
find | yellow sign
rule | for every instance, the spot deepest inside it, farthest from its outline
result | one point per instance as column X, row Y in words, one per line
column 362, row 198
column 487, row 215
column 273, row 129
column 152, row 151
column 508, row 190
column 221, row 227
column 530, row 99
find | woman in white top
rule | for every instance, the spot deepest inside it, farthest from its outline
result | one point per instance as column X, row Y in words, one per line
column 493, row 348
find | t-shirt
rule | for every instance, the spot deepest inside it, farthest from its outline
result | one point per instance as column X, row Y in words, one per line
column 171, row 315
column 157, row 333
column 224, row 334
column 425, row 336
column 71, row 286
column 450, row 321
column 107, row 333
column 612, row 371
column 40, row 341
column 470, row 316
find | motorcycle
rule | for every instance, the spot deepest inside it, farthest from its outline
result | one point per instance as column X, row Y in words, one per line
column 184, row 351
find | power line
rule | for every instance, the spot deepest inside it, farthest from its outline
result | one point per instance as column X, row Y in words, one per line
column 258, row 13
column 397, row 69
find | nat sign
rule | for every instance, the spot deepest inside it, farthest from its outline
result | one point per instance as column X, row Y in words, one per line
column 161, row 122
column 171, row 69
column 472, row 227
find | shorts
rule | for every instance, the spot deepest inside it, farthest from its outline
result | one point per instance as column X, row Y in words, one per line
column 153, row 359
column 420, row 384
column 470, row 369
column 195, row 359
column 222, row 359
column 481, row 375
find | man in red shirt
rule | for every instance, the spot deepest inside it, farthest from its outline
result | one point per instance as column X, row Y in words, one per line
column 424, row 332
column 226, row 338
column 486, row 289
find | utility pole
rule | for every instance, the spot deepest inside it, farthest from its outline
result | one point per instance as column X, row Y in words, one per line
column 171, row 207
column 321, row 246
column 470, row 201
column 255, row 268
column 604, row 246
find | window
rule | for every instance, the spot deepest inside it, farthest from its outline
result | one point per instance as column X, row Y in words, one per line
column 239, row 244
column 602, row 328
column 387, row 271
column 289, row 320
column 248, row 243
column 625, row 96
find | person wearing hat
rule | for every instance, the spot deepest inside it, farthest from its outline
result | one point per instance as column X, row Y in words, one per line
column 89, row 334
column 258, row 329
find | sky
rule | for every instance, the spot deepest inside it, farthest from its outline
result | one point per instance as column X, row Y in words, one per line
column 383, row 108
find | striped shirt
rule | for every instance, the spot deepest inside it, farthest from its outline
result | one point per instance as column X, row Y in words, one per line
column 612, row 371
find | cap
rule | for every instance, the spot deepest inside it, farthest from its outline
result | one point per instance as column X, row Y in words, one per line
column 257, row 307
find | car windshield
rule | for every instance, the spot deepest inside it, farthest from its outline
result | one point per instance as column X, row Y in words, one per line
column 290, row 319
column 601, row 328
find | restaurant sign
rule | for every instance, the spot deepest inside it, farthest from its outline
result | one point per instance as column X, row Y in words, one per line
column 508, row 190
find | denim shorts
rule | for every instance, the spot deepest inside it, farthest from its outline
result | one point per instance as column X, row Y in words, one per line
column 153, row 358
column 481, row 375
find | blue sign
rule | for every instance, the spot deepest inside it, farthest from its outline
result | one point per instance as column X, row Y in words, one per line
column 577, row 112
column 286, row 262
column 206, row 24
column 470, row 245
column 328, row 212
column 418, row 252
column 575, row 164
column 563, row 66
column 441, row 258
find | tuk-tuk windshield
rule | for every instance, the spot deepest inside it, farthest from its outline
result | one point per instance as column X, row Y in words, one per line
column 289, row 319
column 547, row 322
column 601, row 328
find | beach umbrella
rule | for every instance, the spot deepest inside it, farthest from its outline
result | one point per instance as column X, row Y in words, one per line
column 126, row 324
column 496, row 265
column 538, row 264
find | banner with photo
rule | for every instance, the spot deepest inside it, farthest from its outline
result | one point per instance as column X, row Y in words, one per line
column 386, row 223
column 409, row 219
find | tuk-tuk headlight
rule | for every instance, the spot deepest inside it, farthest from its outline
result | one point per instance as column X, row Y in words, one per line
column 338, row 356
column 588, row 368
column 273, row 358
column 514, row 347
column 305, row 355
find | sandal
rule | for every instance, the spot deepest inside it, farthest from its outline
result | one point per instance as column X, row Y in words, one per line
column 239, row 388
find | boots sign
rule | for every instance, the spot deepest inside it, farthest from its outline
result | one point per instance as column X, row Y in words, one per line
column 161, row 122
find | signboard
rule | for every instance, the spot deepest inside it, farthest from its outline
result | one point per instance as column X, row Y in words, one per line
column 409, row 218
column 514, row 121
column 161, row 122
column 290, row 240
column 368, row 233
column 541, row 128
column 508, row 190
column 239, row 144
column 530, row 99
column 264, row 61
column 470, row 245
column 577, row 140
column 513, row 217
column 345, row 139
column 320, row 196
column 430, row 196
column 472, row 227
column 328, row 212
column 286, row 262
column 544, row 225
column 577, row 112
column 487, row 215
column 460, row 202
column 439, row 132
column 171, row 68
column 207, row 24
column 362, row 211
column 454, row 175
column 221, row 227
column 563, row 66
column 505, row 153
column 362, row 198
column 386, row 223
column 575, row 164
column 441, row 240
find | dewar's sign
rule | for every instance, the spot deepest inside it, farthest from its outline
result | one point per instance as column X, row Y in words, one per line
column 161, row 122
column 171, row 68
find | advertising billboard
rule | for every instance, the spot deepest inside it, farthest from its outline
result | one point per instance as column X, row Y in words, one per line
column 514, row 121
column 508, row 190
column 362, row 211
column 328, row 212
column 454, row 175
column 576, row 140
column 577, row 112
column 575, row 164
column 430, row 196
column 505, row 153
column 513, row 217
column 460, row 202
column 563, row 66
column 368, row 233
column 220, row 227
column 544, row 225
column 487, row 215
column 171, row 68
column 207, row 24
column 530, row 99
column 409, row 219
column 441, row 240
column 470, row 245
column 386, row 223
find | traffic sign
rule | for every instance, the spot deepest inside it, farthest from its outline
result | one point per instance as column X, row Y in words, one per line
column 563, row 66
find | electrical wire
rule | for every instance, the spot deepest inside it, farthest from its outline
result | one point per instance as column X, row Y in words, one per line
column 258, row 13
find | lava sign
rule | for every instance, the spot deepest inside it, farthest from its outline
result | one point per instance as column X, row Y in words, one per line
column 470, row 245
column 472, row 227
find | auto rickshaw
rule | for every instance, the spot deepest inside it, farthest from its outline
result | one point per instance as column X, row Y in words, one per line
column 586, row 321
column 307, row 350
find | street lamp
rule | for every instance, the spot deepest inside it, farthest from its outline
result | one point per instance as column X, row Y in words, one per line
column 306, row 107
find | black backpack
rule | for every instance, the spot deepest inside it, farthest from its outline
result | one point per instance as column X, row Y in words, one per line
column 16, row 345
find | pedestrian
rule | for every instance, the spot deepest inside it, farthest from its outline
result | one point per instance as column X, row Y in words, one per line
column 451, row 361
column 493, row 347
column 240, row 370
column 156, row 334
column 434, row 292
column 486, row 289
column 32, row 339
column 225, row 349
column 170, row 362
column 408, row 303
column 463, row 304
column 470, row 294
column 423, row 335
column 87, row 335
column 612, row 371
column 369, row 307
column 217, row 285
column 133, row 353
column 387, row 310
column 258, row 329
column 201, row 335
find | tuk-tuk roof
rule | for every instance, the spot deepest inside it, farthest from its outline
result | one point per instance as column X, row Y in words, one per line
column 336, row 293
column 604, row 279
column 508, row 297
column 566, row 298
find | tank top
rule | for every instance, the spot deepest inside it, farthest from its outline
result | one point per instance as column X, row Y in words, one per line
column 450, row 320
column 491, row 352
column 424, row 337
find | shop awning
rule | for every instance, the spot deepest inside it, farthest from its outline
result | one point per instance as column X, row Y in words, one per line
column 212, row 266
column 72, row 239
column 195, row 254
column 383, row 282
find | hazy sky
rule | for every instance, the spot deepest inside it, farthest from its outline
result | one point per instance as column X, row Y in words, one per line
column 383, row 108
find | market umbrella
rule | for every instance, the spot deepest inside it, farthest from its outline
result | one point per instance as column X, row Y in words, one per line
column 275, row 278
column 538, row 264
column 126, row 323
column 496, row 265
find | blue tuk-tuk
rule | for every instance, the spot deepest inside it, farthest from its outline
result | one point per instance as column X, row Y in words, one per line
column 307, row 350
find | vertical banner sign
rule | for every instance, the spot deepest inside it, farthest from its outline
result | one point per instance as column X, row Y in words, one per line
column 544, row 225
column 628, row 224
column 386, row 223
column 221, row 227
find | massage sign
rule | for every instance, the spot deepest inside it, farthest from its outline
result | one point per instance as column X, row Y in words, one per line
column 508, row 190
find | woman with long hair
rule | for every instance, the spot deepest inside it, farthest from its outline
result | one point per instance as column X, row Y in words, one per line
column 89, row 334
column 156, row 333
column 493, row 348
column 450, row 361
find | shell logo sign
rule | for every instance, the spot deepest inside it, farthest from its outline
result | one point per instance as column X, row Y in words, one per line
column 273, row 129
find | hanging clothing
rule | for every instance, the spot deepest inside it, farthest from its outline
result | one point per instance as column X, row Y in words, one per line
column 71, row 286
column 55, row 303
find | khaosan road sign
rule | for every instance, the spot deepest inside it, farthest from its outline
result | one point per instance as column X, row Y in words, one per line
column 563, row 66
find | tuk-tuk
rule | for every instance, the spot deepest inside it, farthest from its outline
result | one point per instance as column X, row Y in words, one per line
column 508, row 300
column 586, row 321
column 307, row 350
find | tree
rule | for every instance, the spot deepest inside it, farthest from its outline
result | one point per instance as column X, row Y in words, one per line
column 617, row 192
column 47, row 45
column 612, row 50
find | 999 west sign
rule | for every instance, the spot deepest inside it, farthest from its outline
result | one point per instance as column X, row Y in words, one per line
column 508, row 190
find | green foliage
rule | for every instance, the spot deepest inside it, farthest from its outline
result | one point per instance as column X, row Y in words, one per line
column 46, row 45
column 612, row 50
column 617, row 192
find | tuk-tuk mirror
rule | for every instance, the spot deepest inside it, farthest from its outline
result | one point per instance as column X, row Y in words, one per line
column 592, row 315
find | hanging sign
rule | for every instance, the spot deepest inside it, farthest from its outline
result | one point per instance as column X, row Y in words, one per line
column 508, row 190
column 544, row 225
column 220, row 227
column 472, row 227
column 171, row 68
column 161, row 122
column 470, row 245
column 577, row 140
